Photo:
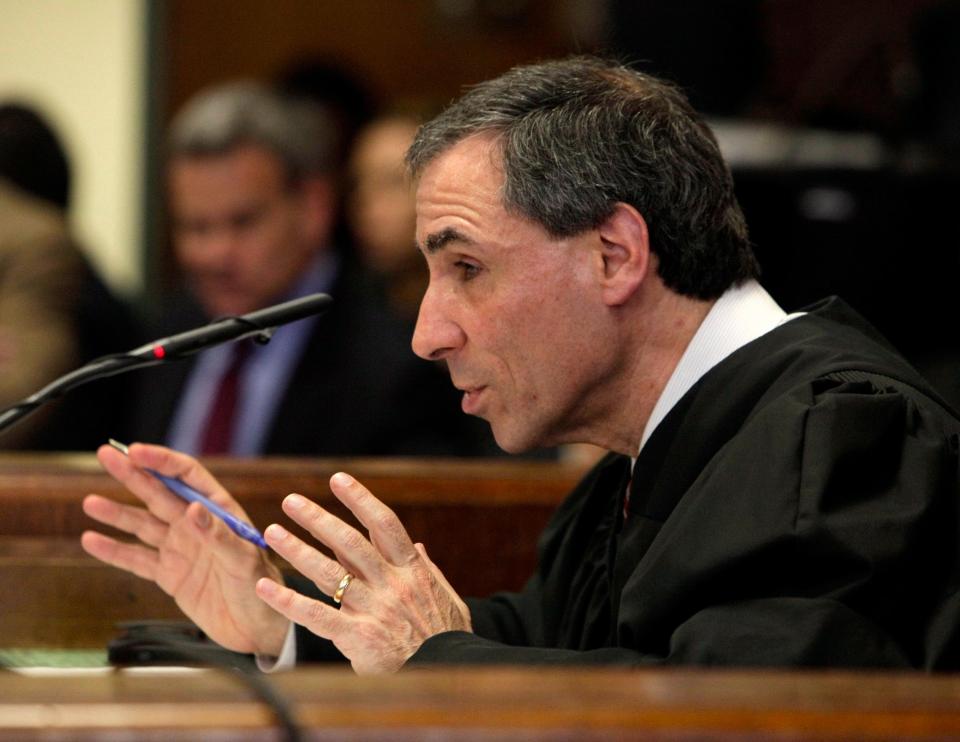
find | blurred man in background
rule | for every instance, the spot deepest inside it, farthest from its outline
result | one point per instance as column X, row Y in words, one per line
column 252, row 206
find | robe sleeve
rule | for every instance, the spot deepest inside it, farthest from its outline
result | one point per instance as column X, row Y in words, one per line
column 772, row 632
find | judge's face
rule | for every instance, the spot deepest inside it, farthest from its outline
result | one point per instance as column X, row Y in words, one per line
column 242, row 233
column 513, row 312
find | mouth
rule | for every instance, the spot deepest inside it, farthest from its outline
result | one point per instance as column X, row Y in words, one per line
column 470, row 403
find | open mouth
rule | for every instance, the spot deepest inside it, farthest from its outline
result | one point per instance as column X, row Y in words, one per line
column 471, row 399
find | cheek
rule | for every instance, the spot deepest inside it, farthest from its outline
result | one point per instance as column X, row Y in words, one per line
column 274, row 247
column 555, row 345
column 519, row 341
column 185, row 250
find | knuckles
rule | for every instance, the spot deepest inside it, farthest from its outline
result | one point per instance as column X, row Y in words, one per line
column 316, row 614
column 353, row 540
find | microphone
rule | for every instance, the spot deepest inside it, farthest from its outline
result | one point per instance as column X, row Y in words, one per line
column 259, row 324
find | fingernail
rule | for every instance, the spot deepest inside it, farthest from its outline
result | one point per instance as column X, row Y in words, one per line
column 341, row 479
column 266, row 586
column 295, row 502
column 276, row 532
column 202, row 518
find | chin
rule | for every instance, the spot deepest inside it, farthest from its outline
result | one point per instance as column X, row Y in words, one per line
column 224, row 307
column 515, row 441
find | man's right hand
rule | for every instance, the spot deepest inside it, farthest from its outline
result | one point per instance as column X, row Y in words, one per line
column 192, row 555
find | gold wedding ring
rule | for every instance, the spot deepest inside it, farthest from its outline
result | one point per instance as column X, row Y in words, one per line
column 341, row 588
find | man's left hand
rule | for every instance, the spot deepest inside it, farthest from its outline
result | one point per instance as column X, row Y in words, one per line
column 395, row 599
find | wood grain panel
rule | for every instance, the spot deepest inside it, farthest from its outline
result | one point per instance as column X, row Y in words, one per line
column 478, row 519
column 487, row 704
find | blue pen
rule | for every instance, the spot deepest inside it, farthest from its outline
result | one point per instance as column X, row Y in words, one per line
column 188, row 493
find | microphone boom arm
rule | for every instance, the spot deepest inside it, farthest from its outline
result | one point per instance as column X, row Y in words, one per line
column 259, row 324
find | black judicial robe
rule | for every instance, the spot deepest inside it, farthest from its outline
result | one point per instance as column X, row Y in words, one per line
column 798, row 507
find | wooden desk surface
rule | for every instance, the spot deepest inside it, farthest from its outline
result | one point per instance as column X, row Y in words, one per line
column 484, row 704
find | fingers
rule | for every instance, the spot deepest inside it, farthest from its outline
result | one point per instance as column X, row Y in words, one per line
column 351, row 547
column 319, row 618
column 386, row 531
column 139, row 560
column 201, row 532
column 130, row 470
column 323, row 571
column 162, row 503
column 193, row 521
column 186, row 536
column 175, row 464
column 390, row 543
column 127, row 518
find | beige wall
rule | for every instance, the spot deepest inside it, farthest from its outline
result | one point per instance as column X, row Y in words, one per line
column 82, row 63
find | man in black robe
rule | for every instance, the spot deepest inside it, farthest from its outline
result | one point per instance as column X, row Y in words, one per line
column 782, row 489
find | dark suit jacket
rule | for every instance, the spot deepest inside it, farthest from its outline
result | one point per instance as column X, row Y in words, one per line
column 358, row 388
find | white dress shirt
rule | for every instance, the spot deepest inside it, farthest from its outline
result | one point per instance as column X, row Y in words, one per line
column 740, row 316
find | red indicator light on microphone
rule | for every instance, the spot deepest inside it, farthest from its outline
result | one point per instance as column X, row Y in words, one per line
column 158, row 351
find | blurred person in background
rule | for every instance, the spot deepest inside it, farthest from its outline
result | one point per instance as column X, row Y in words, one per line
column 55, row 311
column 252, row 206
column 349, row 104
column 381, row 210
column 39, row 289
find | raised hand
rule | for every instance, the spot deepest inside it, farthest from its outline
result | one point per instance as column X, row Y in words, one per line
column 194, row 557
column 395, row 597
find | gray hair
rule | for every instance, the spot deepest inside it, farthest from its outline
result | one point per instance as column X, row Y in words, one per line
column 223, row 118
column 579, row 135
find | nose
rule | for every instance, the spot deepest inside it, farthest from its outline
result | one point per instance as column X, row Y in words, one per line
column 213, row 250
column 436, row 335
column 224, row 244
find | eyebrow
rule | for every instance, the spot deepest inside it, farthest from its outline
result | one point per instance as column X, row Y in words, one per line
column 437, row 241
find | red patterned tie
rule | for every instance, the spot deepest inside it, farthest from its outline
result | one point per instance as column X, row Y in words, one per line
column 218, row 433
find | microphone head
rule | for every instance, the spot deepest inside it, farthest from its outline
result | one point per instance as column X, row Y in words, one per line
column 259, row 323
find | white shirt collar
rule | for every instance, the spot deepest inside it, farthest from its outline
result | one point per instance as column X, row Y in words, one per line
column 740, row 316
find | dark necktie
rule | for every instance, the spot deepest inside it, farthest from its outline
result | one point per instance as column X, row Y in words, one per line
column 218, row 433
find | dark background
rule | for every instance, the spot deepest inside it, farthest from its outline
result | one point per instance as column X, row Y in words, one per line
column 869, row 219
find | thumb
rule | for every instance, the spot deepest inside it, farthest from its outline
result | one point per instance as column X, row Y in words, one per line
column 456, row 602
column 201, row 517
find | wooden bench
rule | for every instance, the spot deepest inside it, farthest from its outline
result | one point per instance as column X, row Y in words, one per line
column 469, row 703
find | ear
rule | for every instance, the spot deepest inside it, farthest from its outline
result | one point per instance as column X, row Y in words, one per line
column 625, row 253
